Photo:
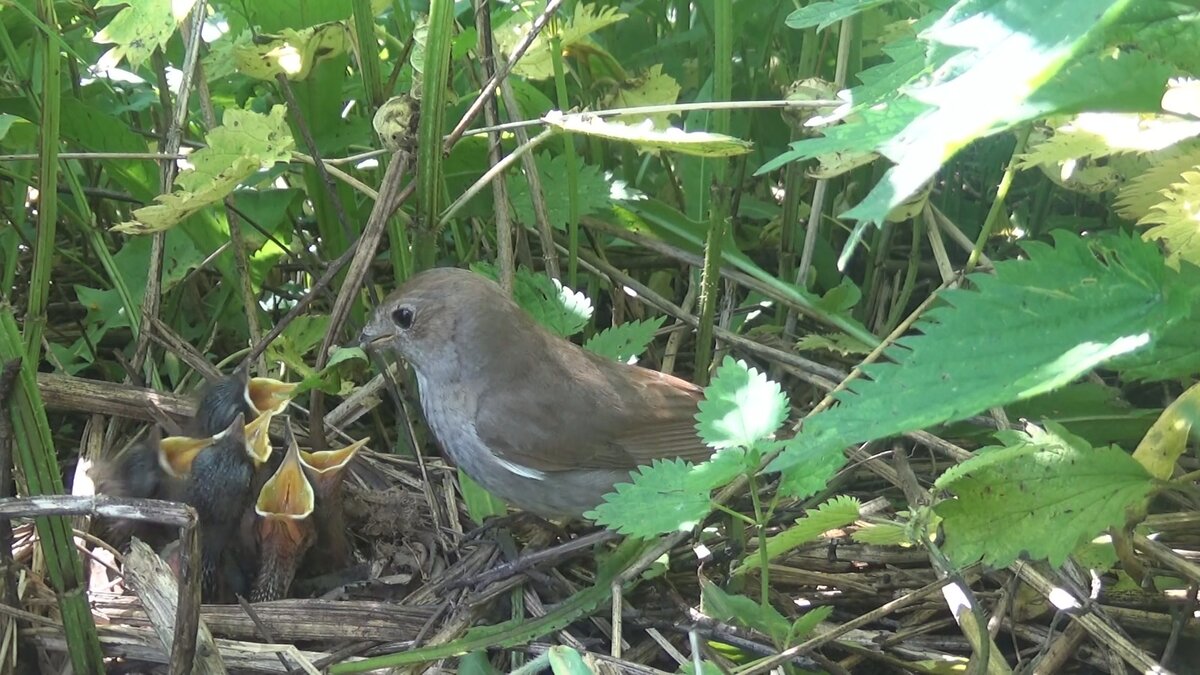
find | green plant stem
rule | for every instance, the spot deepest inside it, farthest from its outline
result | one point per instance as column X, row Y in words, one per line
column 429, row 130
column 718, row 220
column 728, row 511
column 760, row 526
column 572, row 159
column 993, row 216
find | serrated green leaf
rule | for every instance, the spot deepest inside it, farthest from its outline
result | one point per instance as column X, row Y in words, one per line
column 626, row 341
column 1043, row 497
column 593, row 192
column 882, row 534
column 837, row 512
column 664, row 497
column 805, row 625
column 1143, row 192
column 825, row 14
column 1035, row 325
column 244, row 143
column 1175, row 217
column 740, row 406
column 137, row 30
column 536, row 62
column 558, row 308
column 651, row 87
column 723, row 606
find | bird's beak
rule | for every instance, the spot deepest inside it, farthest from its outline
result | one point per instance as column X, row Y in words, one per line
column 369, row 339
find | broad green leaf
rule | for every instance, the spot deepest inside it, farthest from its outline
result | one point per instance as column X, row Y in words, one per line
column 481, row 504
column 292, row 53
column 536, row 63
column 1033, row 326
column 1167, row 439
column 805, row 625
column 1044, row 496
column 137, row 30
column 558, row 308
column 664, row 497
column 654, row 87
column 1003, row 52
column 1175, row 217
column 835, row 513
column 740, row 406
column 723, row 606
column 567, row 661
column 825, row 14
column 477, row 663
column 244, row 143
column 882, row 534
column 594, row 191
column 1137, row 198
column 626, row 341
column 646, row 137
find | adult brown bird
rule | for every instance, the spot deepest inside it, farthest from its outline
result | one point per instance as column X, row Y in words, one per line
column 532, row 417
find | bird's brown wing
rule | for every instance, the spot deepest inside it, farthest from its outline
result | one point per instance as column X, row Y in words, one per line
column 605, row 416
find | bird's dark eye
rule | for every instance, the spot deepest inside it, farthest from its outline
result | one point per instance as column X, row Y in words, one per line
column 403, row 316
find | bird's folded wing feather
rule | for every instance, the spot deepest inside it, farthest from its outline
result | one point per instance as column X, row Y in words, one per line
column 604, row 419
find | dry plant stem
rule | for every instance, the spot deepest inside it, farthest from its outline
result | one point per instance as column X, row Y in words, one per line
column 187, row 620
column 322, row 283
column 504, row 229
column 154, row 584
column 171, row 142
column 1101, row 631
column 356, row 275
column 1060, row 651
column 503, row 165
column 644, row 110
column 332, row 170
column 900, row 330
column 945, row 269
column 489, row 89
column 236, row 240
column 556, row 554
column 815, row 373
column 920, row 595
column 956, row 235
column 694, row 260
column 1167, row 557
column 963, row 605
column 536, row 193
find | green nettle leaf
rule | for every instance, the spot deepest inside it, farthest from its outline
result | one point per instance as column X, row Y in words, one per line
column 664, row 497
column 1002, row 53
column 594, row 191
column 837, row 512
column 882, row 534
column 537, row 62
column 825, row 14
column 137, row 30
column 1043, row 495
column 626, row 341
column 292, row 53
column 1034, row 326
column 244, row 143
column 724, row 606
column 805, row 625
column 740, row 406
column 561, row 310
column 652, row 87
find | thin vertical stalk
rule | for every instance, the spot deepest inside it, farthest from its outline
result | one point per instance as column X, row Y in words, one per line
column 367, row 53
column 429, row 129
column 718, row 221
column 997, row 208
column 572, row 159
